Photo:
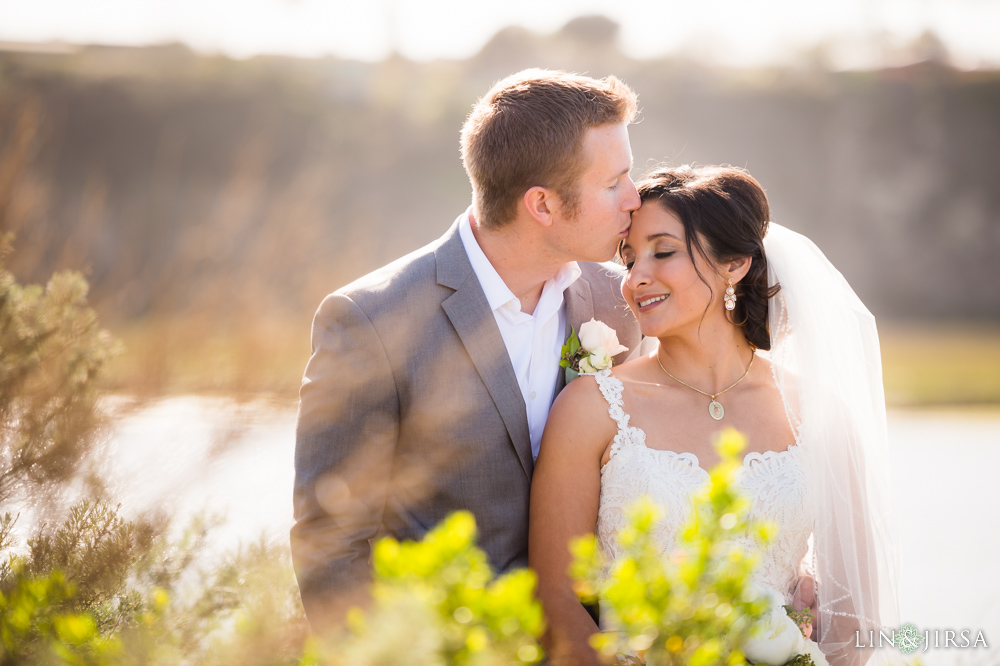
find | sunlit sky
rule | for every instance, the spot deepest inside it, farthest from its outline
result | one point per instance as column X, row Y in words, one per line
column 735, row 32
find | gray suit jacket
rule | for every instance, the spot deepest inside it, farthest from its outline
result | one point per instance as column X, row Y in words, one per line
column 410, row 410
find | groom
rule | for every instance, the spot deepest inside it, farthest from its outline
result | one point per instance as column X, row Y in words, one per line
column 431, row 379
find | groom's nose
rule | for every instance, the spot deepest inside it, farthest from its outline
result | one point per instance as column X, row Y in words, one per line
column 632, row 200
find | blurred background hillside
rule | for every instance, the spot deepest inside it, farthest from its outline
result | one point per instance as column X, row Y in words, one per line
column 211, row 202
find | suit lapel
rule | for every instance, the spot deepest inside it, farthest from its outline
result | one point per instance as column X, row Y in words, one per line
column 579, row 309
column 470, row 314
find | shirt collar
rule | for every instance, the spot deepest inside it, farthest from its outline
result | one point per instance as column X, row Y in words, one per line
column 498, row 294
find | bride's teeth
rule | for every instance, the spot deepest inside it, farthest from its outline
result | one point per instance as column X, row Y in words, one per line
column 643, row 304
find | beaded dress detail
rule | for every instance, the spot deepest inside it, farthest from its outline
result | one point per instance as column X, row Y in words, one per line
column 775, row 482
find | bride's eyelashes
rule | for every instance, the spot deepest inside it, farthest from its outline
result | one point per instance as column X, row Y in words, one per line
column 657, row 255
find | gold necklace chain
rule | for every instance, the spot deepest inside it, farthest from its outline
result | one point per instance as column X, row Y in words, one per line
column 715, row 409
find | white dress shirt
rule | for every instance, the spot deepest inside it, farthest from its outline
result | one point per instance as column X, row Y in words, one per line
column 534, row 341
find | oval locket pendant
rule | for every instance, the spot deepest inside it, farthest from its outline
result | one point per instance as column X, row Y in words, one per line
column 716, row 411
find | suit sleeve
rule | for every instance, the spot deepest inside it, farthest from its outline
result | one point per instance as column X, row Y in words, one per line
column 345, row 437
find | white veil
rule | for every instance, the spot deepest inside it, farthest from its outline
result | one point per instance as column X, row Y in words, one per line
column 825, row 352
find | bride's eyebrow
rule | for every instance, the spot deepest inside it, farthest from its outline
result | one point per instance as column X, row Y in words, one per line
column 663, row 234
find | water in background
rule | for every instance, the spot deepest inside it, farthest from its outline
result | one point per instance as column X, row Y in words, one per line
column 192, row 454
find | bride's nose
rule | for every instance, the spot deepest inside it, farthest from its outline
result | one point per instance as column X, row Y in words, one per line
column 637, row 276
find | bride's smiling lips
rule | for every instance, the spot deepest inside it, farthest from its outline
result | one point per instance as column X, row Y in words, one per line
column 649, row 302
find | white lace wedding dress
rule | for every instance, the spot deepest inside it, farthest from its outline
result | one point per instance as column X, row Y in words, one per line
column 774, row 481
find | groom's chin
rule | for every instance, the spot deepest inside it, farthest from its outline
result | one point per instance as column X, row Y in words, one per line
column 610, row 255
column 594, row 253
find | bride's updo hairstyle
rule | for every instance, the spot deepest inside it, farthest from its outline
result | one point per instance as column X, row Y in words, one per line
column 725, row 214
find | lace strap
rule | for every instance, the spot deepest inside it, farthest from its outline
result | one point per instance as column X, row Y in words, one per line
column 611, row 388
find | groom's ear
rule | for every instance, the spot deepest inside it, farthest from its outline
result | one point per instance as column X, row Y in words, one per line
column 541, row 203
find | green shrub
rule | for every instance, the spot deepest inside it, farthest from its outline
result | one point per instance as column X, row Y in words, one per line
column 37, row 625
column 94, row 587
column 437, row 602
column 694, row 606
column 52, row 353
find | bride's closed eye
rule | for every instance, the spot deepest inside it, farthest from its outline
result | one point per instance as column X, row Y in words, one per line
column 656, row 255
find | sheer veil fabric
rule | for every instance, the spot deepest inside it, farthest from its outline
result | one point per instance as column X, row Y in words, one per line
column 827, row 365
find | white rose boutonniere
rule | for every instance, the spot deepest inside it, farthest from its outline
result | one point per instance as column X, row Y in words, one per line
column 591, row 351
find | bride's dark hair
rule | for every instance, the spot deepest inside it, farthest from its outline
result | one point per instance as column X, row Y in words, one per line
column 725, row 214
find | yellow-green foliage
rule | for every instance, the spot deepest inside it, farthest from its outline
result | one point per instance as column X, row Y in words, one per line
column 68, row 599
column 102, row 590
column 37, row 628
column 693, row 606
column 437, row 602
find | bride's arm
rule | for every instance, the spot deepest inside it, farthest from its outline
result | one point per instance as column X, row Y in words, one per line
column 565, row 493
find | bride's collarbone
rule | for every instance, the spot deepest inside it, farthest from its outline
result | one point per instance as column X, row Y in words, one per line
column 679, row 421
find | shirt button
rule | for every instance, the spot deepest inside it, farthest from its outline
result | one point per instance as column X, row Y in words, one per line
column 532, row 396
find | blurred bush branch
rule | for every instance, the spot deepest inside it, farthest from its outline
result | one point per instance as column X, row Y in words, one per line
column 53, row 354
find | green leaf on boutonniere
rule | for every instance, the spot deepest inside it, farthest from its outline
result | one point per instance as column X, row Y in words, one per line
column 570, row 349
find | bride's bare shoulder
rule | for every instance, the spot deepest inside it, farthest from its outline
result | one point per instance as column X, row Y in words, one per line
column 579, row 417
column 639, row 374
column 581, row 397
column 634, row 369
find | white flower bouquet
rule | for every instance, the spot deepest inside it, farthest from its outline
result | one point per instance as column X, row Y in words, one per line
column 778, row 640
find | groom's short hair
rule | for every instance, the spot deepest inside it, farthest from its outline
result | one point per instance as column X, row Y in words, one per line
column 528, row 131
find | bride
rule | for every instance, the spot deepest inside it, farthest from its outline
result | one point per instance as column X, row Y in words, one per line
column 747, row 325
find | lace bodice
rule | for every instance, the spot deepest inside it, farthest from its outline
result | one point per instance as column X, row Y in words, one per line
column 774, row 481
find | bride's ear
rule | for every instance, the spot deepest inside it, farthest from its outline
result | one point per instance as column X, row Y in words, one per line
column 736, row 269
